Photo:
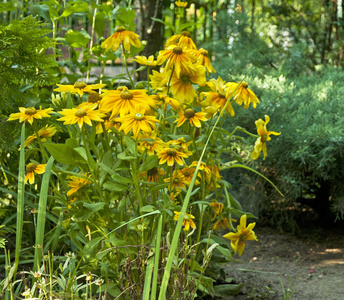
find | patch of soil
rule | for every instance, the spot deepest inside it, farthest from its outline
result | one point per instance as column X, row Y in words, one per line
column 310, row 267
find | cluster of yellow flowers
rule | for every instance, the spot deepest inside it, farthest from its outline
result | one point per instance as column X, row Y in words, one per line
column 133, row 110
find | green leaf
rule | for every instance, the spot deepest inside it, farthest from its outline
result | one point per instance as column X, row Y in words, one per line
column 77, row 39
column 64, row 154
column 130, row 143
column 125, row 16
column 94, row 206
column 225, row 252
column 41, row 10
column 99, row 26
column 72, row 142
column 147, row 209
column 121, row 179
column 224, row 290
column 75, row 7
column 113, row 186
column 151, row 162
column 124, row 156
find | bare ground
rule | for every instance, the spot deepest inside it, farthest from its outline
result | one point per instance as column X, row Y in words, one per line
column 310, row 267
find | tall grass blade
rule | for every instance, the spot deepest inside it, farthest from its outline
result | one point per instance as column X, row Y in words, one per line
column 20, row 200
column 148, row 279
column 42, row 208
column 156, row 259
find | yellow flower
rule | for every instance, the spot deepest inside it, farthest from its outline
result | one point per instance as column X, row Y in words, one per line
column 193, row 117
column 162, row 100
column 76, row 183
column 264, row 136
column 242, row 94
column 171, row 156
column 203, row 59
column 123, row 101
column 182, row 40
column 79, row 87
column 214, row 178
column 180, row 142
column 178, row 58
column 159, row 81
column 187, row 222
column 243, row 234
column 218, row 96
column 173, row 197
column 152, row 174
column 143, row 60
column 222, row 223
column 178, row 181
column 204, row 168
column 150, row 143
column 93, row 98
column 47, row 131
column 181, row 3
column 188, row 173
column 81, row 115
column 31, row 169
column 218, row 208
column 121, row 36
column 29, row 114
column 137, row 120
column 181, row 87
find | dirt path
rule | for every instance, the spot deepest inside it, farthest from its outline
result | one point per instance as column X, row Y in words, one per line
column 317, row 267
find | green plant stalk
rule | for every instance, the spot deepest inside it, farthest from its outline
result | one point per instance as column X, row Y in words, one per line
column 133, row 164
column 126, row 66
column 254, row 171
column 156, row 259
column 20, row 201
column 148, row 69
column 169, row 81
column 200, row 222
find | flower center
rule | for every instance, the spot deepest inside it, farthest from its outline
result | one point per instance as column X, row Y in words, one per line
column 263, row 138
column 203, row 52
column 31, row 167
column 222, row 95
column 139, row 116
column 244, row 84
column 80, row 113
column 80, row 85
column 126, row 95
column 185, row 78
column 93, row 98
column 120, row 29
column 122, row 88
column 152, row 172
column 189, row 113
column 176, row 180
column 185, row 33
column 171, row 152
column 243, row 237
column 30, row 111
column 186, row 217
column 177, row 50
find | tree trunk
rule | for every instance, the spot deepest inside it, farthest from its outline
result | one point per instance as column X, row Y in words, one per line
column 148, row 29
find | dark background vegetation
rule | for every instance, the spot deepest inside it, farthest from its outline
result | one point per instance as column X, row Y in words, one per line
column 294, row 47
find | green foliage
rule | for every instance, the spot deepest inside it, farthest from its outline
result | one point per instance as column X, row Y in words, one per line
column 305, row 161
column 24, row 62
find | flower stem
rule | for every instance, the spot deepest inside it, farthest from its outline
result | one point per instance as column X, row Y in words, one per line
column 126, row 67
